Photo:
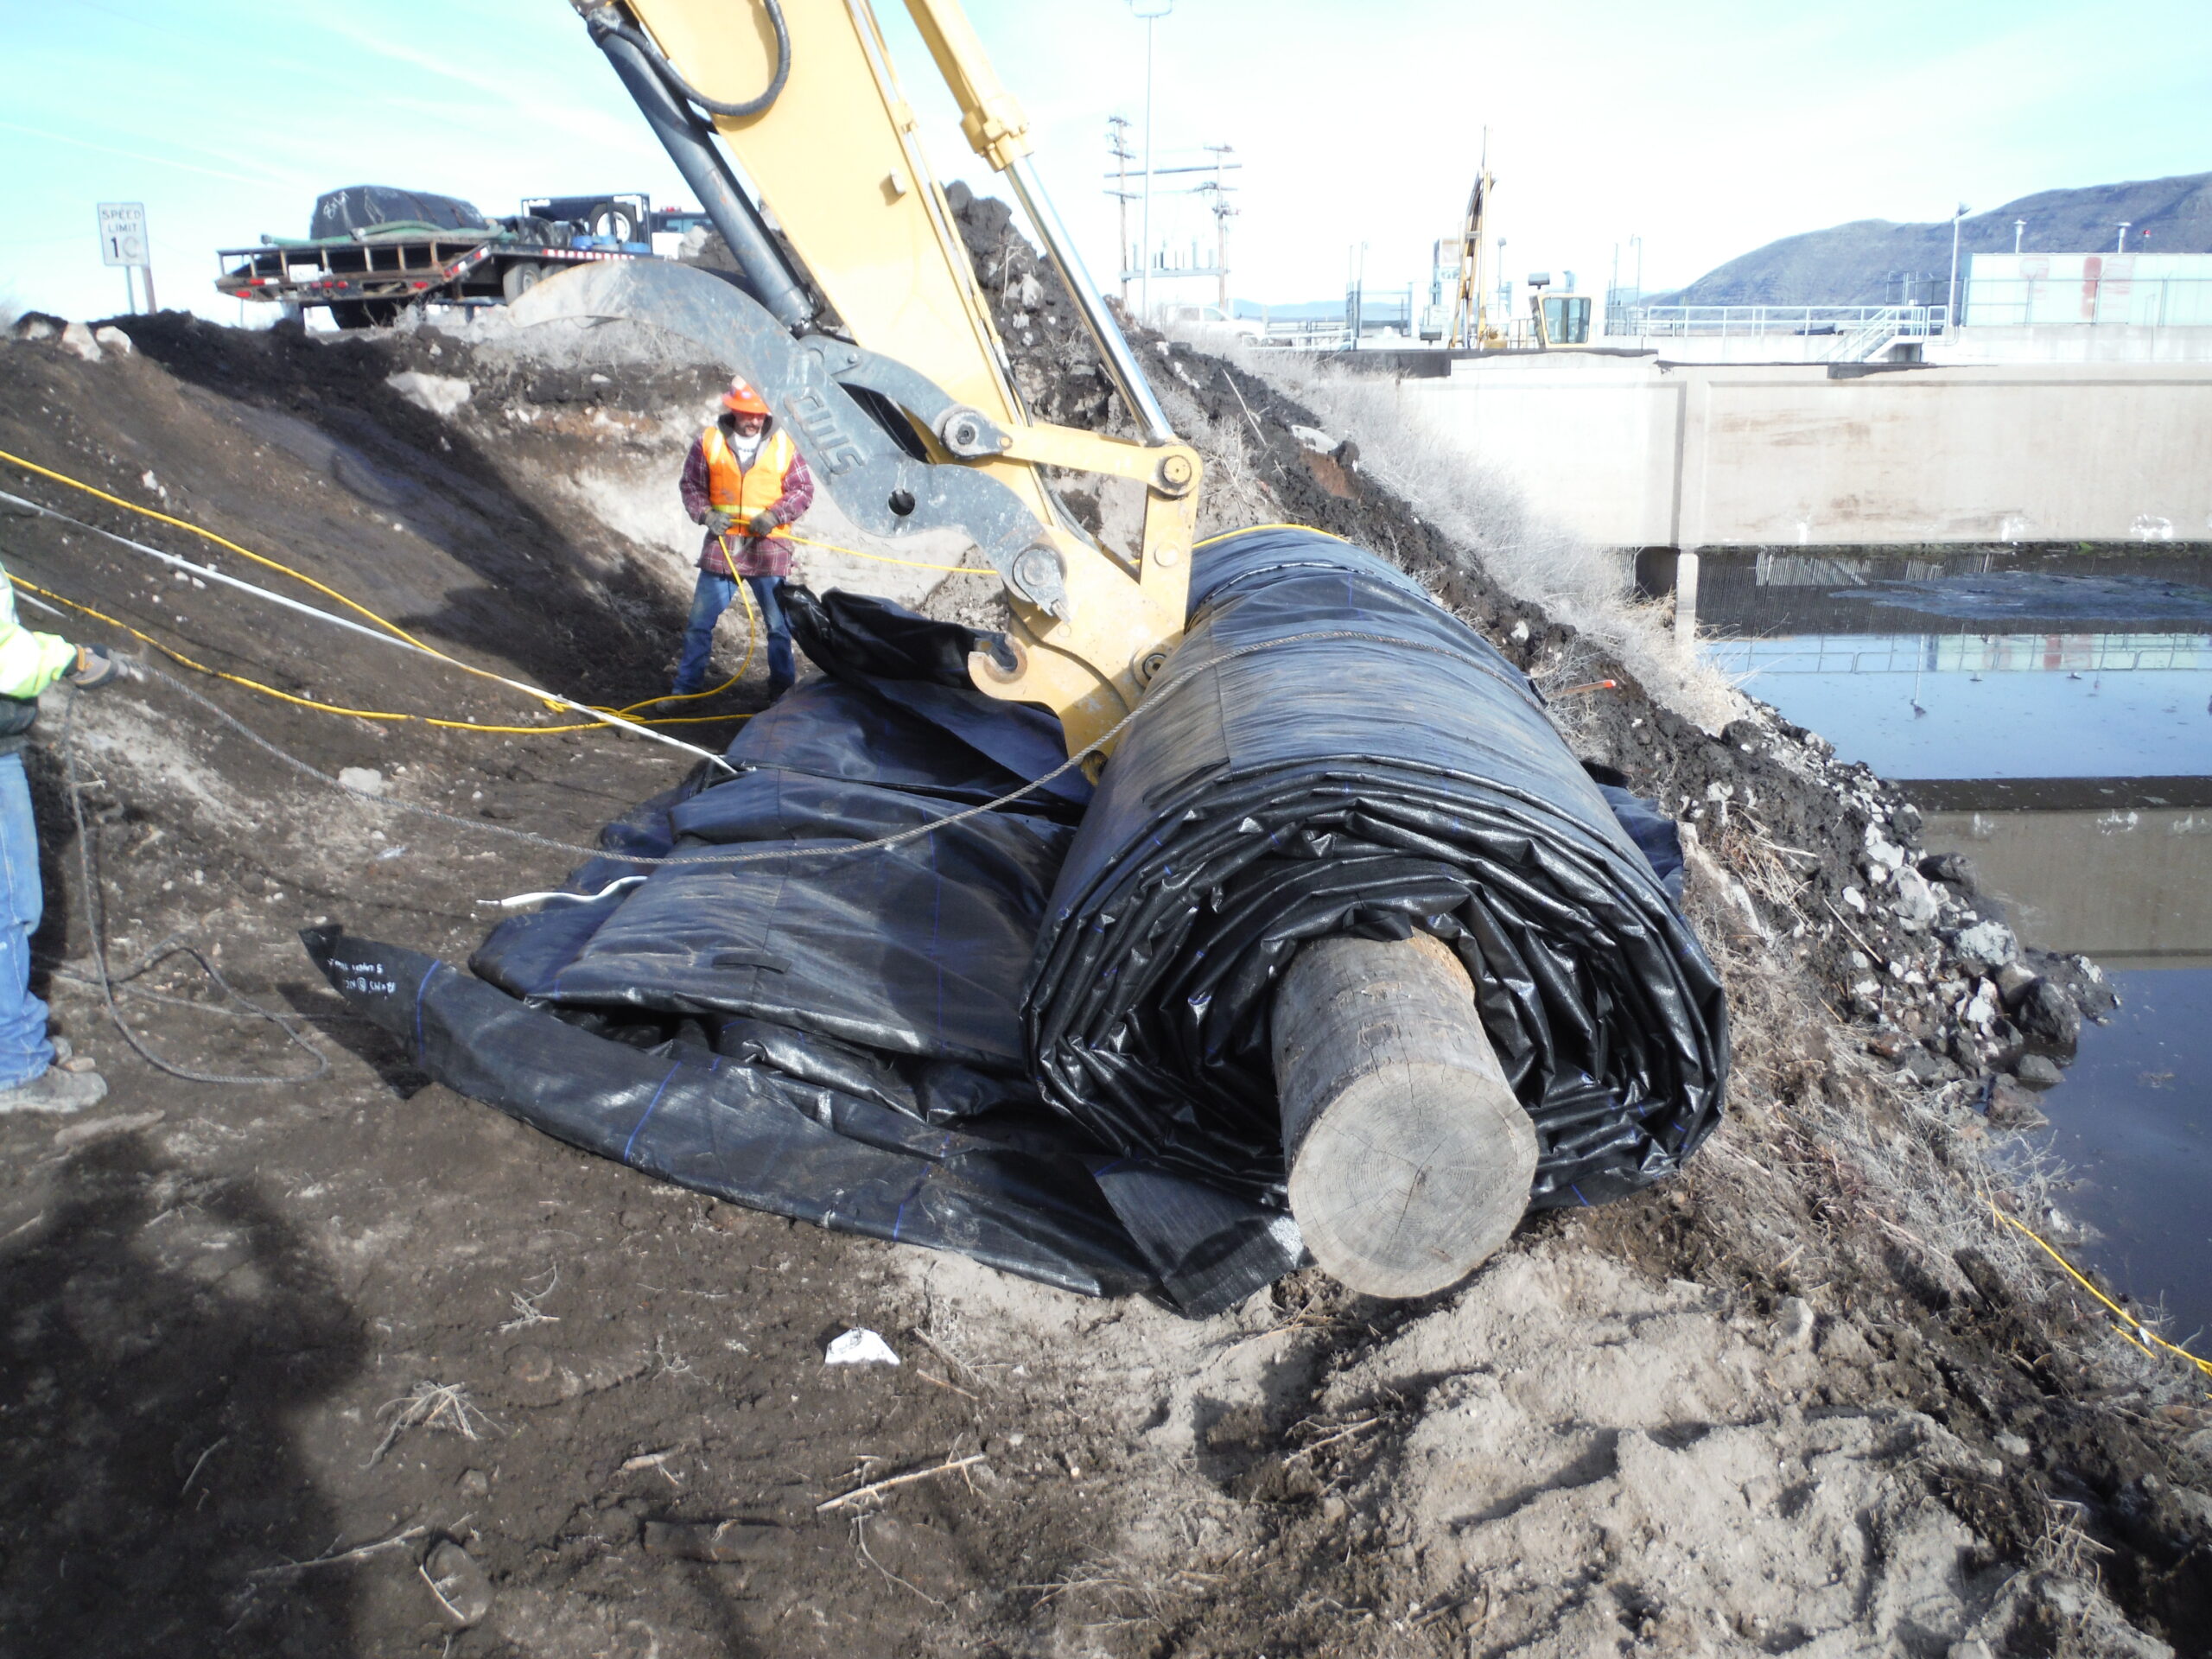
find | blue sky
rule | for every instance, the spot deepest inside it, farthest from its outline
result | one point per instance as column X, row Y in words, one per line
column 1706, row 128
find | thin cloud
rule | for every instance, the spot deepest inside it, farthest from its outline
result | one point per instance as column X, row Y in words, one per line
column 154, row 156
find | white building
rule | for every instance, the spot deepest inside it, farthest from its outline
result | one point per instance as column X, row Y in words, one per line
column 2139, row 290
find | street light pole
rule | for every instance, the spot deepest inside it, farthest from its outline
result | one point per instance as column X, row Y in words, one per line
column 2121, row 246
column 1951, row 293
column 1152, row 11
column 2019, row 228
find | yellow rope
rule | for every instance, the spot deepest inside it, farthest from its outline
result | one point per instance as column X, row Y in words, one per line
column 2130, row 1327
column 339, row 709
column 210, row 536
column 1247, row 529
column 383, row 622
column 694, row 696
column 355, row 606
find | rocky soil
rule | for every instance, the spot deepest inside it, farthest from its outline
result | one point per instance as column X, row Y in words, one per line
column 354, row 1365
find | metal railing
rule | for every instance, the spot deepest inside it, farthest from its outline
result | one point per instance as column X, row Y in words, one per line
column 1975, row 653
column 1732, row 321
column 1333, row 334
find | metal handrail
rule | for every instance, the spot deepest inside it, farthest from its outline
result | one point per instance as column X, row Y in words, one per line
column 1726, row 322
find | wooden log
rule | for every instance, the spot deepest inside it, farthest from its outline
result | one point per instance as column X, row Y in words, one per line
column 1410, row 1159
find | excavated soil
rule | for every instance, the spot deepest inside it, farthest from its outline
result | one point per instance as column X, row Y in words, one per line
column 353, row 1365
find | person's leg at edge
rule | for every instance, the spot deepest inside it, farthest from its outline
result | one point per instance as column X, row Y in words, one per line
column 709, row 600
column 783, row 666
column 25, row 1051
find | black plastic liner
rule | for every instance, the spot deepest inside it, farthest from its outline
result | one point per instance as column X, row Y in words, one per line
column 1332, row 752
column 1038, row 1036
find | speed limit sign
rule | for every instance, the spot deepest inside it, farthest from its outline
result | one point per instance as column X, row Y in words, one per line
column 123, row 233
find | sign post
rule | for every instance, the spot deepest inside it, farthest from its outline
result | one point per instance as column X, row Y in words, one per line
column 123, row 242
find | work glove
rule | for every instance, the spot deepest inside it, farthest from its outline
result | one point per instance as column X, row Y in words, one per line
column 95, row 667
column 720, row 522
column 764, row 521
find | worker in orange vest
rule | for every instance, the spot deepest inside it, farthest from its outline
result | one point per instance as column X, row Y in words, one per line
column 745, row 482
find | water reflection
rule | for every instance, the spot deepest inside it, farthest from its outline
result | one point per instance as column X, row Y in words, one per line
column 2051, row 711
column 2134, row 1128
column 2129, row 885
column 2010, row 705
column 2146, row 587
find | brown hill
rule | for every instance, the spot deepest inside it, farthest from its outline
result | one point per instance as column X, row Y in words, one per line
column 1873, row 261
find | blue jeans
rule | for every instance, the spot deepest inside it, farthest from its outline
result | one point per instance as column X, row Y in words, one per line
column 24, row 1052
column 708, row 602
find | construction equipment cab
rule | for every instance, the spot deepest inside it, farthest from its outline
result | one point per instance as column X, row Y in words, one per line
column 1561, row 319
column 789, row 113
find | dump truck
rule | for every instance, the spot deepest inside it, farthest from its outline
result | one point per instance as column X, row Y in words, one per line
column 372, row 251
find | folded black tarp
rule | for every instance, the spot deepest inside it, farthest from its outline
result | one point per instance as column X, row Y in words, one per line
column 1038, row 1035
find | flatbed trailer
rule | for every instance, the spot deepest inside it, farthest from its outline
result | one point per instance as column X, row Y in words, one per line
column 368, row 279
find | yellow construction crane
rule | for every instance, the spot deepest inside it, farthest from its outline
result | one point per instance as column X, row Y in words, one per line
column 1470, row 326
column 860, row 321
column 1556, row 321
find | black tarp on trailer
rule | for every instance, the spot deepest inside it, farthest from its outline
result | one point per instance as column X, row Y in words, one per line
column 365, row 207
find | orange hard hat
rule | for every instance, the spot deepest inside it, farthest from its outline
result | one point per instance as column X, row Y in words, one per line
column 742, row 399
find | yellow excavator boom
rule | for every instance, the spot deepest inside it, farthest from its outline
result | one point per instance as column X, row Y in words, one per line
column 1470, row 324
column 803, row 95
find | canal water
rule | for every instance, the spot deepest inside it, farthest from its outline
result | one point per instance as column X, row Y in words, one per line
column 2051, row 712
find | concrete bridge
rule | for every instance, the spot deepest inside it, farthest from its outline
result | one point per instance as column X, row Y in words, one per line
column 1640, row 452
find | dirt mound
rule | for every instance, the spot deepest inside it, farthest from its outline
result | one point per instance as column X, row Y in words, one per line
column 270, row 1346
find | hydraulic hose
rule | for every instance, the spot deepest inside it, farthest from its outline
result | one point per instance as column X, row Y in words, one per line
column 604, row 19
column 689, row 141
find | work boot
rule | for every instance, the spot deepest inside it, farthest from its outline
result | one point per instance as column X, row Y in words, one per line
column 55, row 1090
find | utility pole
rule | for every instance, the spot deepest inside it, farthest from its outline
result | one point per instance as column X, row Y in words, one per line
column 1355, row 284
column 1951, row 294
column 1152, row 11
column 1117, row 141
column 1222, row 213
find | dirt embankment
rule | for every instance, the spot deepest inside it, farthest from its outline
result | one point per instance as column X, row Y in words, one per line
column 1808, row 1398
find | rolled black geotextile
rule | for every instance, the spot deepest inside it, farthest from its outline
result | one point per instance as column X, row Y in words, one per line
column 1038, row 1035
column 1330, row 751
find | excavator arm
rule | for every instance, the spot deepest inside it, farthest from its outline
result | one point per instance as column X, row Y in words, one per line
column 786, row 117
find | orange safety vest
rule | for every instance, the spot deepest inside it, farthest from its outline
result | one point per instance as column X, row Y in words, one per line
column 742, row 491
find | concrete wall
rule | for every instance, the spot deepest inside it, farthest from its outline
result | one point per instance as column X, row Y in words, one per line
column 2058, row 342
column 1640, row 452
column 2055, row 342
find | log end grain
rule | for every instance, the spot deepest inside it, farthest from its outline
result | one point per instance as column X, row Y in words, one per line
column 1410, row 1159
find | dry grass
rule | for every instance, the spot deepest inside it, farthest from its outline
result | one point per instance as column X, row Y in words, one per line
column 1235, row 493
column 442, row 1407
column 1520, row 548
column 1845, row 1168
column 528, row 1308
